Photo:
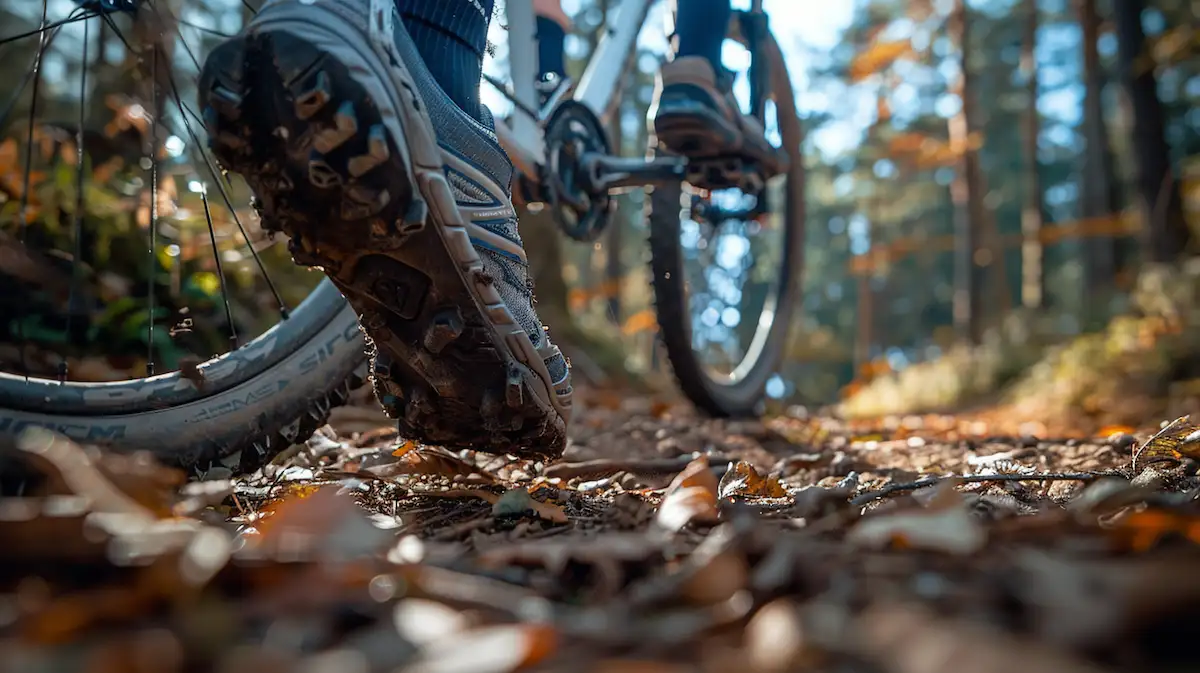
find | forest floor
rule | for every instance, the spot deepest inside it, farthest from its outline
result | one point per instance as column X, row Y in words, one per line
column 662, row 541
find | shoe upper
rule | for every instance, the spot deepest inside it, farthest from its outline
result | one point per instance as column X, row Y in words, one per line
column 690, row 82
column 480, row 175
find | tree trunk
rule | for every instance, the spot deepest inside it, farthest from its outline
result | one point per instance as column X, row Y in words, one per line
column 1096, row 189
column 1033, row 278
column 964, row 191
column 1166, row 231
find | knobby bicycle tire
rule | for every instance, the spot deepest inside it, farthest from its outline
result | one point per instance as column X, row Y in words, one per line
column 254, row 402
column 743, row 396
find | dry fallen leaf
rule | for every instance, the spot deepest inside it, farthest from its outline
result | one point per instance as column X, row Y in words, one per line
column 692, row 496
column 1140, row 531
column 494, row 649
column 519, row 501
column 910, row 640
column 774, row 637
column 743, row 480
column 322, row 522
column 945, row 525
column 513, row 501
column 71, row 469
column 431, row 460
column 423, row 621
column 1171, row 444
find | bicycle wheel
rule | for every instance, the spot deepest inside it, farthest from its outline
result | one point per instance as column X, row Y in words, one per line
column 192, row 276
column 727, row 265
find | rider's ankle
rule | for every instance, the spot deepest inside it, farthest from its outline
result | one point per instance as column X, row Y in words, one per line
column 451, row 36
column 702, row 28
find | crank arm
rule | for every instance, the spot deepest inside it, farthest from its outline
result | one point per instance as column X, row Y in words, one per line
column 605, row 173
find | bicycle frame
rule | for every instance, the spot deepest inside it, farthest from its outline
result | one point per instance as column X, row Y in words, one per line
column 524, row 140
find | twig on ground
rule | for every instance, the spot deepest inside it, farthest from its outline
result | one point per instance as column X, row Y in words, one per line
column 605, row 466
column 871, row 496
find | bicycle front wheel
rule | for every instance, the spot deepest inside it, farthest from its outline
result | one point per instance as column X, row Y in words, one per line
column 727, row 266
column 132, row 258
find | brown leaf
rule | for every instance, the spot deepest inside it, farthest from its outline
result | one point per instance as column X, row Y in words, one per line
column 719, row 578
column 189, row 368
column 775, row 637
column 743, row 481
column 519, row 501
column 423, row 621
column 318, row 522
column 692, row 496
column 431, row 460
column 815, row 501
column 908, row 640
column 73, row 471
column 1171, row 444
column 494, row 649
column 1140, row 531
column 944, row 526
column 513, row 501
column 696, row 474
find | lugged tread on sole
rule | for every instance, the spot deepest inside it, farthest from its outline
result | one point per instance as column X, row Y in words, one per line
column 308, row 120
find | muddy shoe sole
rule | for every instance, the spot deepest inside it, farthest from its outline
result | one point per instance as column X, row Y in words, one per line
column 703, row 135
column 696, row 131
column 335, row 142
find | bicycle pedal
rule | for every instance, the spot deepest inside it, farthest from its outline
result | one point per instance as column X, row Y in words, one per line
column 725, row 173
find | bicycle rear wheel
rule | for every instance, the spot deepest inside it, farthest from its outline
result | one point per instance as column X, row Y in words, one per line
column 727, row 287
column 111, row 197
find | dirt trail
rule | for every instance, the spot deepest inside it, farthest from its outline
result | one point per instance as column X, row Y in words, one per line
column 661, row 542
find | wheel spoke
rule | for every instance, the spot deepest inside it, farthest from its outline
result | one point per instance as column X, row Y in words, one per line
column 53, row 26
column 212, row 237
column 153, row 261
column 218, row 177
column 23, row 217
column 77, row 224
column 49, row 36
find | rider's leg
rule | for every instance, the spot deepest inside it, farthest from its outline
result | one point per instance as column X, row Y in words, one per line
column 366, row 144
column 451, row 36
column 700, row 27
column 553, row 24
column 697, row 113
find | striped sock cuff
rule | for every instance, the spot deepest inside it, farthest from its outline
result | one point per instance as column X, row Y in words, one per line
column 464, row 20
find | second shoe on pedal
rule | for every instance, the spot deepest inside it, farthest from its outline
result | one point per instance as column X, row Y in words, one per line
column 403, row 200
column 698, row 117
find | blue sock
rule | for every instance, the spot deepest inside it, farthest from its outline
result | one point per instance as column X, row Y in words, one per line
column 701, row 26
column 551, row 38
column 451, row 36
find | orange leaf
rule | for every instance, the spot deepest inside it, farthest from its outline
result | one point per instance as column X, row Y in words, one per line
column 1139, row 531
column 1110, row 430
column 692, row 496
column 877, row 57
column 743, row 480
column 642, row 321
column 431, row 460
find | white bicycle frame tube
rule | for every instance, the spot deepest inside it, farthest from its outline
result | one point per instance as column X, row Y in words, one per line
column 524, row 140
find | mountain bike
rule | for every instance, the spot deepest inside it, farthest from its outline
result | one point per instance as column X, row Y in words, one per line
column 716, row 256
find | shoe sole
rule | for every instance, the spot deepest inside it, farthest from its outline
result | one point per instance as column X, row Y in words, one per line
column 699, row 133
column 348, row 167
